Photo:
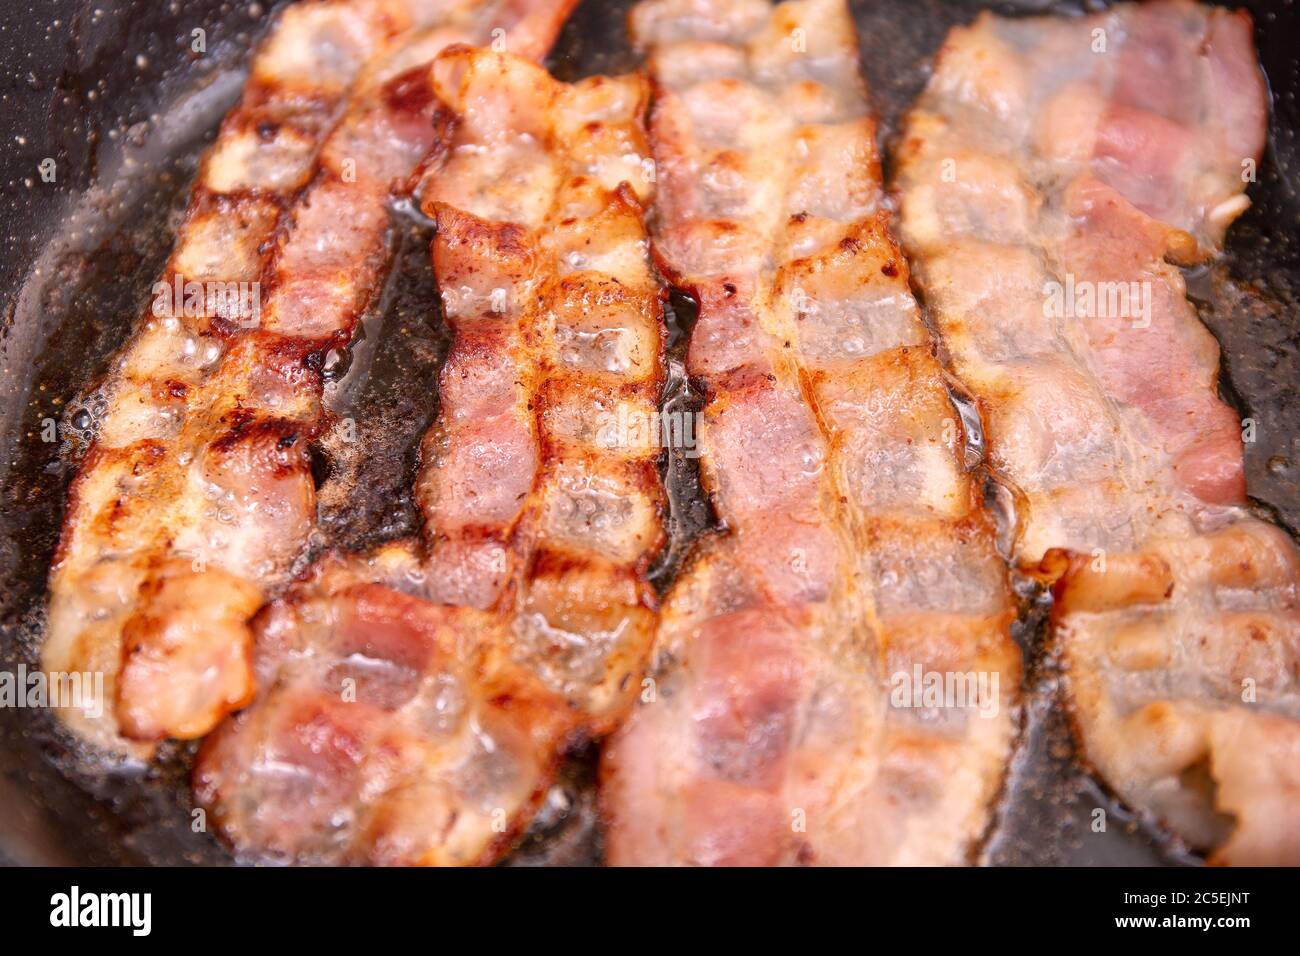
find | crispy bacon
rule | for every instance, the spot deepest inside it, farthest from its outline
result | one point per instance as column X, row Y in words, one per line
column 781, row 727
column 1049, row 176
column 524, row 618
column 202, row 460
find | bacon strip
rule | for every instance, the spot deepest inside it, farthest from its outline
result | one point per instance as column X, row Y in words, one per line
column 784, row 726
column 1048, row 175
column 199, row 482
column 539, row 485
column 542, row 501
column 387, row 730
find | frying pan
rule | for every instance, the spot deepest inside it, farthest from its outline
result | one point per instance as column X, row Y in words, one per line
column 115, row 94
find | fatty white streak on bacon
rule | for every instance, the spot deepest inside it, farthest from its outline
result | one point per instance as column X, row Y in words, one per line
column 199, row 482
column 856, row 545
column 1091, row 154
column 542, row 506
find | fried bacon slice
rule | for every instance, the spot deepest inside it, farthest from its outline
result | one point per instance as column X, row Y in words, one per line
column 523, row 620
column 789, row 721
column 199, row 480
column 1050, row 177
column 388, row 730
column 539, row 483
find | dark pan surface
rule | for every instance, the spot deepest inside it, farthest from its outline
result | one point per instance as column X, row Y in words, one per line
column 119, row 101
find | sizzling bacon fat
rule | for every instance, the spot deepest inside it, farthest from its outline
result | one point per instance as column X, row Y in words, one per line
column 199, row 483
column 413, row 702
column 1049, row 176
column 856, row 546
